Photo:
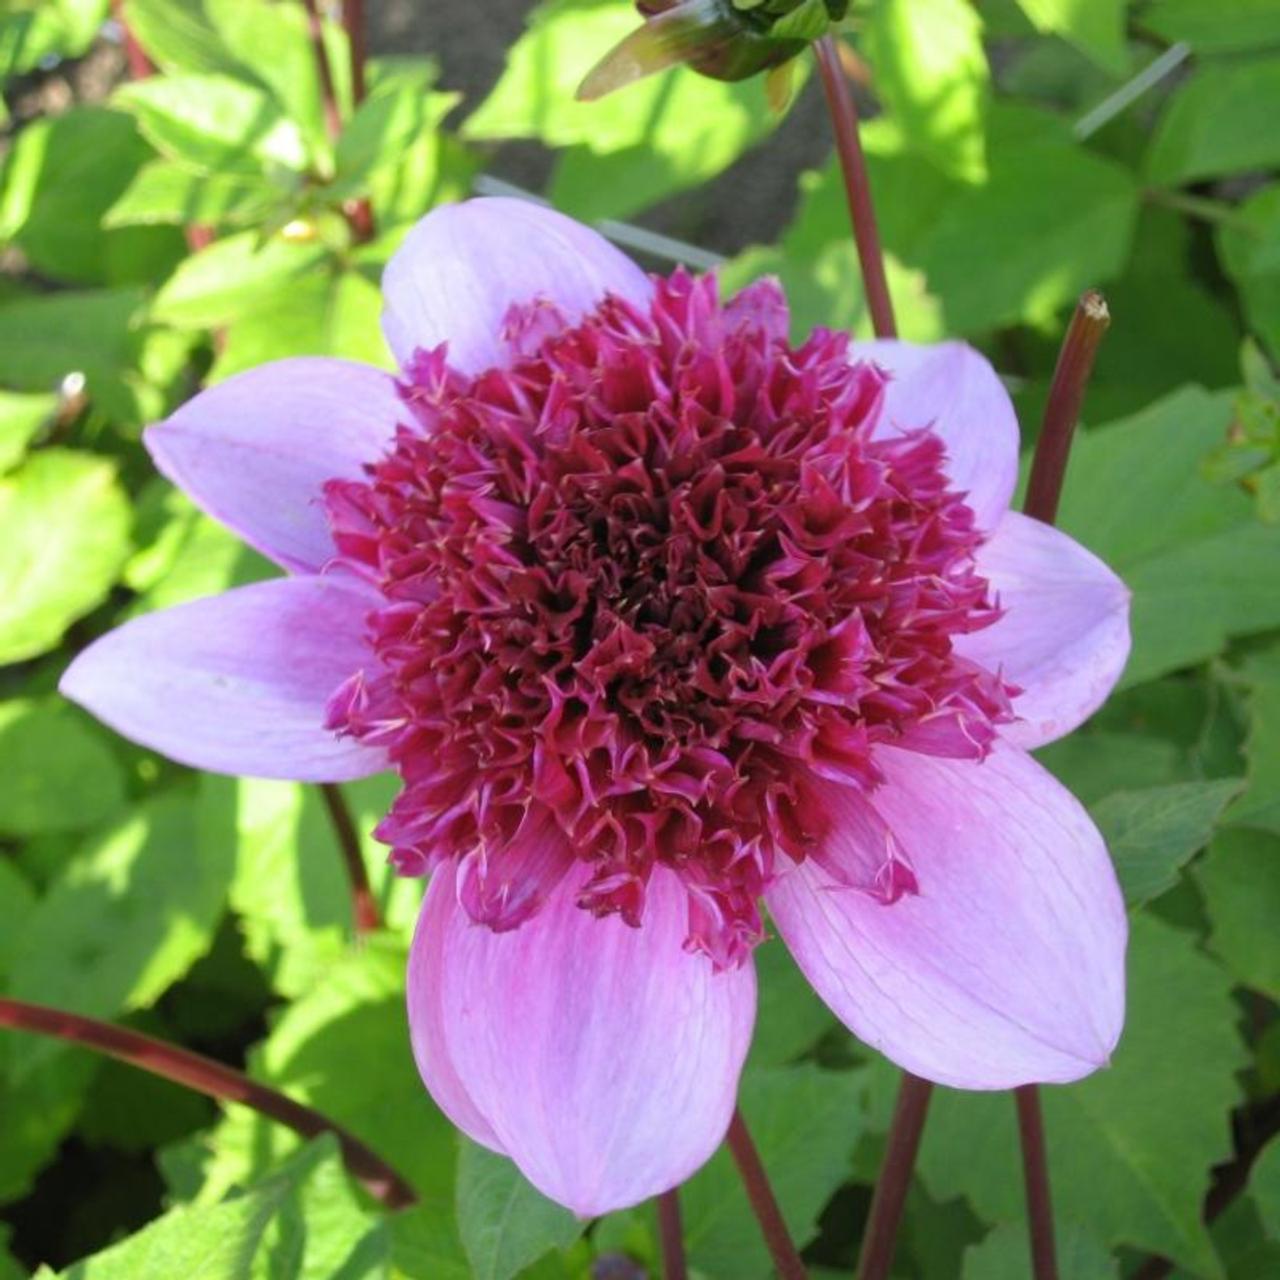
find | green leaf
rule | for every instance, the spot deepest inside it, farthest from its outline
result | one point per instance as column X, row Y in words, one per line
column 1264, row 1187
column 1199, row 568
column 44, row 339
column 1131, row 1147
column 660, row 135
column 229, row 278
column 425, row 1245
column 1240, row 881
column 9, row 1267
column 1215, row 26
column 1093, row 763
column 805, row 1122
column 66, row 525
column 22, row 419
column 504, row 1222
column 76, row 165
column 1260, row 804
column 344, row 1049
column 1250, row 251
column 59, row 774
column 1052, row 220
column 16, row 900
column 931, row 70
column 39, row 1110
column 534, row 97
column 324, row 312
column 242, row 1238
column 325, row 1230
column 400, row 109
column 165, row 192
column 295, row 908
column 1097, row 28
column 1003, row 1255
column 214, row 124
column 190, row 556
column 51, row 29
column 1219, row 122
column 789, row 1018
column 126, row 918
column 1152, row 833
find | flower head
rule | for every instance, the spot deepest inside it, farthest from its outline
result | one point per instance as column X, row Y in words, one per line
column 659, row 617
column 641, row 586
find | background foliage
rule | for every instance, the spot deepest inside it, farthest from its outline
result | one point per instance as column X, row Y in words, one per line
column 160, row 232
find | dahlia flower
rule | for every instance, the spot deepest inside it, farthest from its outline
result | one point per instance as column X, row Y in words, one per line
column 660, row 618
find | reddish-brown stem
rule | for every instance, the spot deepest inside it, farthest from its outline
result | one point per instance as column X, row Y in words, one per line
column 1035, row 1177
column 671, row 1236
column 1044, row 489
column 195, row 1071
column 328, row 95
column 358, row 212
column 890, row 1196
column 364, row 904
column 1070, row 378
column 763, row 1202
column 135, row 56
column 353, row 22
column 853, row 164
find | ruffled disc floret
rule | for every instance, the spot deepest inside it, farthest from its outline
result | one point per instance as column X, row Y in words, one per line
column 641, row 587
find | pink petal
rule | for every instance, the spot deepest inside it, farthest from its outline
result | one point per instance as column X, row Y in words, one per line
column 1064, row 639
column 603, row 1059
column 236, row 683
column 503, row 887
column 1008, row 966
column 953, row 389
column 859, row 851
column 465, row 265
column 255, row 450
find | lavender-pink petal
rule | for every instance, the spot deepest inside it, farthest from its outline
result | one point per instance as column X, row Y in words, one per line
column 1064, row 637
column 1007, row 967
column 953, row 389
column 236, row 683
column 603, row 1059
column 254, row 451
column 463, row 266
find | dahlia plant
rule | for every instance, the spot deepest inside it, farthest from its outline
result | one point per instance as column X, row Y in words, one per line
column 674, row 631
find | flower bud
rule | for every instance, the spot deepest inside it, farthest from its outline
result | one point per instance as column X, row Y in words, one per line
column 723, row 39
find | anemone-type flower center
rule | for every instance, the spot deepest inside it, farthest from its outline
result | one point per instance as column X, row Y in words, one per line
column 639, row 587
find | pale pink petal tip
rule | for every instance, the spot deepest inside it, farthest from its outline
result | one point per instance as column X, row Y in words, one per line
column 255, row 452
column 953, row 389
column 1007, row 966
column 603, row 1059
column 463, row 267
column 236, row 683
column 1064, row 637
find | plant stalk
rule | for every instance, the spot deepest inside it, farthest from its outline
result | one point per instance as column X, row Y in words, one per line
column 671, row 1236
column 1070, row 378
column 857, row 187
column 364, row 905
column 135, row 56
column 1044, row 490
column 764, row 1203
column 328, row 94
column 880, row 1239
column 353, row 22
column 1035, row 1176
column 195, row 1071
